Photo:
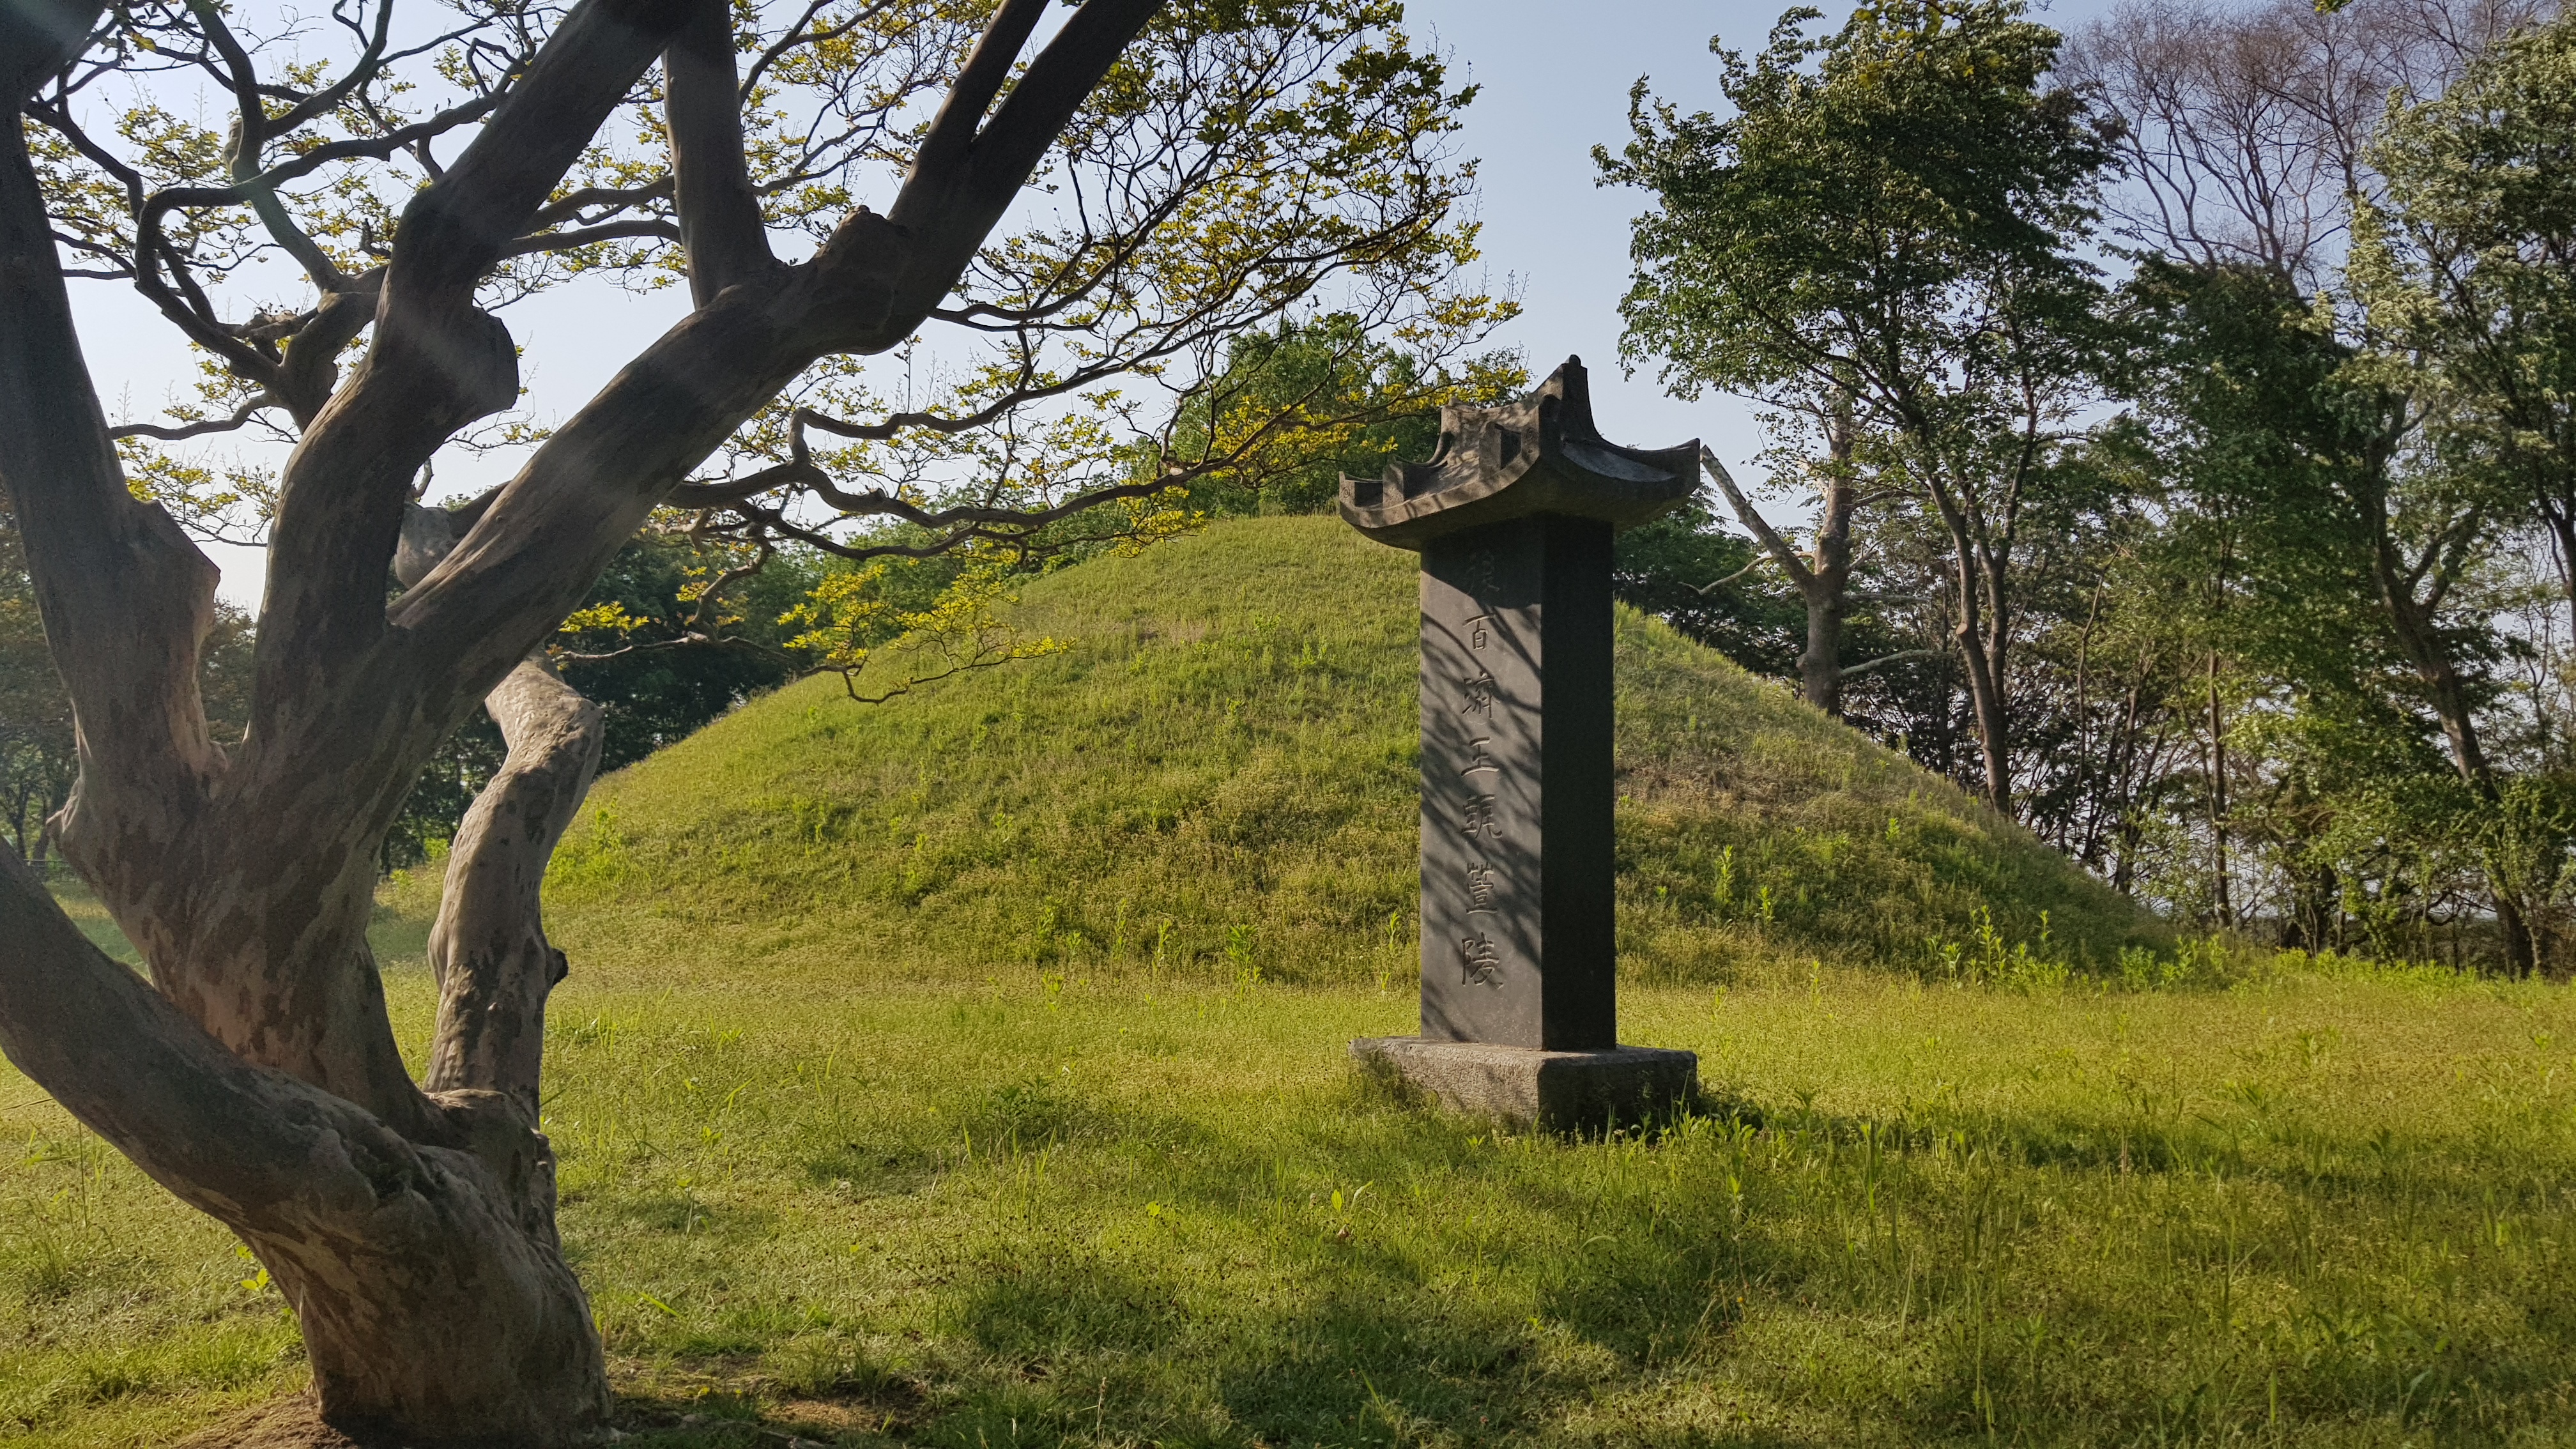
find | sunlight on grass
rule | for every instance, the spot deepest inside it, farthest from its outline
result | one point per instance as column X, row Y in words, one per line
column 1219, row 774
column 1042, row 1209
column 972, row 1072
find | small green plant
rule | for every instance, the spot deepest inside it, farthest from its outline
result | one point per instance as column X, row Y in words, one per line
column 1241, row 956
column 1395, row 955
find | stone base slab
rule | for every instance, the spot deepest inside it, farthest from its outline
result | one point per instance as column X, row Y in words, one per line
column 1528, row 1087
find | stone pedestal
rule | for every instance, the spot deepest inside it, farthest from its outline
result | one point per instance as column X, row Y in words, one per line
column 1513, row 517
column 1524, row 1087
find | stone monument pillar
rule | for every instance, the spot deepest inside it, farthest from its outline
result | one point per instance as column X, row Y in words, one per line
column 1513, row 517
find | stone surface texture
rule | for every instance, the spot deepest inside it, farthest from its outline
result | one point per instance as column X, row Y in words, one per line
column 1513, row 517
column 1548, row 1090
column 1517, row 871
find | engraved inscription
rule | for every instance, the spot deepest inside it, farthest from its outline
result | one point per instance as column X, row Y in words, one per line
column 1481, row 815
column 1479, row 758
column 1480, row 961
column 1476, row 696
column 1480, row 889
column 1478, row 630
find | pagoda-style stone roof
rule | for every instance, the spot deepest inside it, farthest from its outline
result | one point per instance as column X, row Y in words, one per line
column 1540, row 454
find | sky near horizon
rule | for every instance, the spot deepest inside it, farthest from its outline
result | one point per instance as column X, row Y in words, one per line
column 1553, row 84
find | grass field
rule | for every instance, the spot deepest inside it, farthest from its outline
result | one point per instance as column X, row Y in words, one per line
column 970, row 1072
column 1039, row 1210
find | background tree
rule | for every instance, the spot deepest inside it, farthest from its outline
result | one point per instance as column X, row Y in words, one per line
column 1893, row 216
column 1299, row 405
column 1210, row 168
column 1821, row 575
column 2468, row 261
column 2245, row 129
column 2341, row 550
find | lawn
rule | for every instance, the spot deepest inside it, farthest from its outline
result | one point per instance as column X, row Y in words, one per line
column 1105, row 1209
column 970, row 1071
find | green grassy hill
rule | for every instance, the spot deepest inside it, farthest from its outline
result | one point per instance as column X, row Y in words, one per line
column 1216, row 776
column 1074, row 1206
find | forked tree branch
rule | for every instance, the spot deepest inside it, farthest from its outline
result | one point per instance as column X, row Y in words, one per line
column 437, row 363
column 1772, row 543
column 952, row 132
column 488, row 947
column 127, row 601
column 959, row 189
column 525, row 563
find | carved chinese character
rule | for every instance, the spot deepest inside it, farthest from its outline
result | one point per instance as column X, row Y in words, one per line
column 1480, row 961
column 1480, row 889
column 1481, row 815
column 1480, row 574
column 1476, row 696
column 1476, row 632
column 1479, row 759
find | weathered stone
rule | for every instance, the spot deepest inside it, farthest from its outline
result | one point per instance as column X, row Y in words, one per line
column 1539, row 455
column 1517, row 927
column 1523, row 1087
column 1513, row 517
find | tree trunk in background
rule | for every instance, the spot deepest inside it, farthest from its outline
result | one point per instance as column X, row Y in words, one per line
column 1982, row 638
column 2218, row 800
column 1822, row 579
column 1827, row 592
column 2419, row 637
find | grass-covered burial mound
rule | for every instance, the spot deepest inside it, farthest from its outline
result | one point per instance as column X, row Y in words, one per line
column 1217, row 776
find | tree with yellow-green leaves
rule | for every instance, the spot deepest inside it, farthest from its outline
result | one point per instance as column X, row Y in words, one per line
column 1079, row 206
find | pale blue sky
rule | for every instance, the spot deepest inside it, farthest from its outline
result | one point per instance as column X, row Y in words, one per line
column 1554, row 79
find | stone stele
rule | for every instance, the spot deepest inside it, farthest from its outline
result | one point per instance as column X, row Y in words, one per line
column 1513, row 517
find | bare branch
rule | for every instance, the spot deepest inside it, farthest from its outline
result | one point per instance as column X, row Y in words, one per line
column 240, row 417
column 1763, row 533
column 606, row 199
column 1759, row 559
column 582, row 236
column 1900, row 657
column 251, row 130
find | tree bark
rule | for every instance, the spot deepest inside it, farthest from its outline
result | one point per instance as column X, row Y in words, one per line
column 1823, row 579
column 2218, row 800
column 1820, row 667
column 1983, row 635
column 257, row 1076
column 425, row 1272
column 488, row 947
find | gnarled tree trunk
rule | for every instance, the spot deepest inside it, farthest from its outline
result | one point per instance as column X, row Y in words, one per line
column 256, row 1075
